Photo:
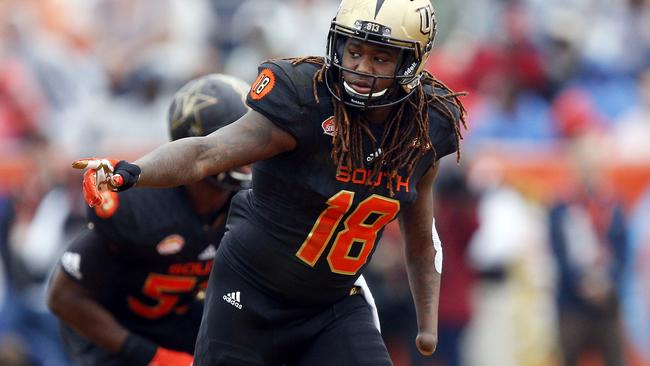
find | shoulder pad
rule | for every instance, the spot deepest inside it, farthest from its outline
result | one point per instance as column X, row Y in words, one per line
column 138, row 215
column 114, row 218
column 283, row 93
column 299, row 76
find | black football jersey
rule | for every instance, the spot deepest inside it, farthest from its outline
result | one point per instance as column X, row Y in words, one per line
column 146, row 257
column 306, row 230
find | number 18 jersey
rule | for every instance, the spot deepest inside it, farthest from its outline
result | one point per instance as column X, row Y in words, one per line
column 306, row 229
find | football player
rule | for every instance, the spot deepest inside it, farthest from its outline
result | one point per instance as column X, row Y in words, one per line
column 341, row 146
column 129, row 290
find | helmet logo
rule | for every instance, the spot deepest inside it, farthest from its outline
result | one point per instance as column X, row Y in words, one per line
column 329, row 128
column 411, row 68
column 426, row 19
column 263, row 84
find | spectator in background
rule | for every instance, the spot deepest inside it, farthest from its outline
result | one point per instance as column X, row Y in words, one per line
column 509, row 78
column 630, row 137
column 636, row 280
column 576, row 114
column 176, row 32
column 22, row 102
column 562, row 58
column 266, row 29
column 509, row 324
column 12, row 346
column 588, row 238
column 36, row 221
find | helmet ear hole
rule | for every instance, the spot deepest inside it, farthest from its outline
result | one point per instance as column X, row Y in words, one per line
column 406, row 64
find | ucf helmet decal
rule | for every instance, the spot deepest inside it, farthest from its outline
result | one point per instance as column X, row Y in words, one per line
column 406, row 25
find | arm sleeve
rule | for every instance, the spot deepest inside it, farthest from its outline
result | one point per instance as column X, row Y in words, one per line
column 274, row 95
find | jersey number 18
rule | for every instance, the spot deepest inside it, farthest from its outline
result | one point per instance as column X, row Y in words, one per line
column 361, row 226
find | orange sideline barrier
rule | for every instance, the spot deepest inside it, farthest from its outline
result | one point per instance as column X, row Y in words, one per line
column 13, row 171
column 547, row 177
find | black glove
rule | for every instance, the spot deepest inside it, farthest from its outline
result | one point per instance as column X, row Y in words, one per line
column 130, row 174
column 137, row 351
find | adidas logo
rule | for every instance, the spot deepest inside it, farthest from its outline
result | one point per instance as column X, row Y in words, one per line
column 208, row 253
column 233, row 299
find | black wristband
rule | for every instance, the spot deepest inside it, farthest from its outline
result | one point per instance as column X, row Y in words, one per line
column 129, row 172
column 137, row 351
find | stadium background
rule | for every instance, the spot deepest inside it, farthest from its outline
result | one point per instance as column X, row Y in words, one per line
column 559, row 103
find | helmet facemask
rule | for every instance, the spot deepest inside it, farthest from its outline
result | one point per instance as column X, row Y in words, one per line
column 406, row 77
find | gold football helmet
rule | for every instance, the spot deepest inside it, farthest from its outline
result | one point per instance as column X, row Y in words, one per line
column 406, row 25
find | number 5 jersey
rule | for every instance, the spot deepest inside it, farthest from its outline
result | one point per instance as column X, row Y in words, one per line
column 146, row 258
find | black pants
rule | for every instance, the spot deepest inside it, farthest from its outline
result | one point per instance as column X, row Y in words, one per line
column 244, row 326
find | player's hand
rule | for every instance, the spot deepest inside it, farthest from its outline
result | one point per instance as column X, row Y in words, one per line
column 167, row 357
column 103, row 174
column 426, row 343
column 98, row 175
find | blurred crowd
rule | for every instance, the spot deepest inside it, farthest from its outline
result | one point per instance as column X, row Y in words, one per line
column 543, row 222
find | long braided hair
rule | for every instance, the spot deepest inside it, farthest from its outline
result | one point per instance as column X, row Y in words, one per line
column 406, row 134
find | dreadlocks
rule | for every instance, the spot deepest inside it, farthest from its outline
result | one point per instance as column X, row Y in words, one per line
column 406, row 134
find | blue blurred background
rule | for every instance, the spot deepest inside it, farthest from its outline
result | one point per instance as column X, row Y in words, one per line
column 545, row 222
